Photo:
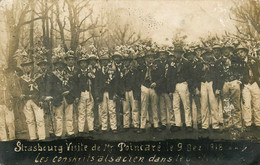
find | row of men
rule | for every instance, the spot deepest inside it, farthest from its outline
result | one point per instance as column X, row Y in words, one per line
column 208, row 84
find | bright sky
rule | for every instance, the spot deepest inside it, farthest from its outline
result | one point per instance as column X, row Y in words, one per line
column 161, row 18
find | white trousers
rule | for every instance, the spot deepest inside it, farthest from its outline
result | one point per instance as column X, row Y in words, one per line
column 34, row 113
column 86, row 104
column 129, row 103
column 209, row 106
column 251, row 98
column 108, row 108
column 182, row 94
column 166, row 108
column 7, row 128
column 147, row 95
column 59, row 111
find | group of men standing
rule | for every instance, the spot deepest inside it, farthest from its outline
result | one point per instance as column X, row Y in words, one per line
column 168, row 88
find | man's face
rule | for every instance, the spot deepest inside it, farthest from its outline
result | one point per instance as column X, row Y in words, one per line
column 28, row 68
column 70, row 62
column 227, row 51
column 83, row 64
column 198, row 52
column 140, row 61
column 216, row 53
column 178, row 54
column 163, row 56
column 43, row 67
column 92, row 62
column 104, row 62
column 117, row 59
column 242, row 53
column 59, row 66
column 171, row 59
column 148, row 60
column 127, row 62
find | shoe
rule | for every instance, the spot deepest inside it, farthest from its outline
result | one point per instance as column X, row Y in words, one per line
column 189, row 129
column 81, row 134
column 175, row 129
column 163, row 127
column 71, row 136
column 248, row 129
column 204, row 131
column 217, row 130
column 52, row 135
column 140, row 131
column 157, row 130
column 114, row 131
column 92, row 132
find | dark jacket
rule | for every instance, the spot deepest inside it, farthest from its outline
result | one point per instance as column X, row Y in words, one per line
column 60, row 82
column 162, row 82
column 30, row 88
column 43, row 82
column 171, row 77
column 106, row 82
column 209, row 73
column 86, row 81
column 131, row 83
column 232, row 72
column 251, row 72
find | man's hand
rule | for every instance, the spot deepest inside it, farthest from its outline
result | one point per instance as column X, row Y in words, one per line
column 22, row 96
column 115, row 97
column 153, row 85
column 197, row 92
column 65, row 93
column 76, row 100
column 48, row 98
column 217, row 92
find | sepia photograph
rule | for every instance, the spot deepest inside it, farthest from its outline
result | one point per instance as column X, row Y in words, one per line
column 129, row 82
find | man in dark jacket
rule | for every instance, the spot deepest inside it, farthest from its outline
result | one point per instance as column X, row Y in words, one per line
column 232, row 76
column 106, row 87
column 171, row 77
column 251, row 91
column 30, row 95
column 63, row 92
column 208, row 91
column 150, row 81
column 70, row 70
column 164, row 99
column 43, row 82
column 86, row 79
column 182, row 89
column 130, row 100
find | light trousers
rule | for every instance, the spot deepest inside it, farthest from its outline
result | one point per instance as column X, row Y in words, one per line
column 35, row 120
column 108, row 110
column 129, row 103
column 251, row 98
column 7, row 128
column 182, row 94
column 59, row 118
column 86, row 105
column 231, row 97
column 147, row 95
column 209, row 106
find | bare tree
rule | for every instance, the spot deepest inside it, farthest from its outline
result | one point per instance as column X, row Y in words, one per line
column 16, row 16
column 247, row 15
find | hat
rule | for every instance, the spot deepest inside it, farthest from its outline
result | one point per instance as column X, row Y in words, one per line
column 92, row 57
column 149, row 53
column 229, row 46
column 241, row 47
column 208, row 56
column 189, row 53
column 41, row 55
column 42, row 60
column 26, row 60
column 178, row 49
column 83, row 57
column 117, row 54
column 104, row 57
column 70, row 54
column 216, row 46
column 57, row 59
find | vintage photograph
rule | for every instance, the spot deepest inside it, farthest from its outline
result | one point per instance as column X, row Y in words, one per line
column 131, row 77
